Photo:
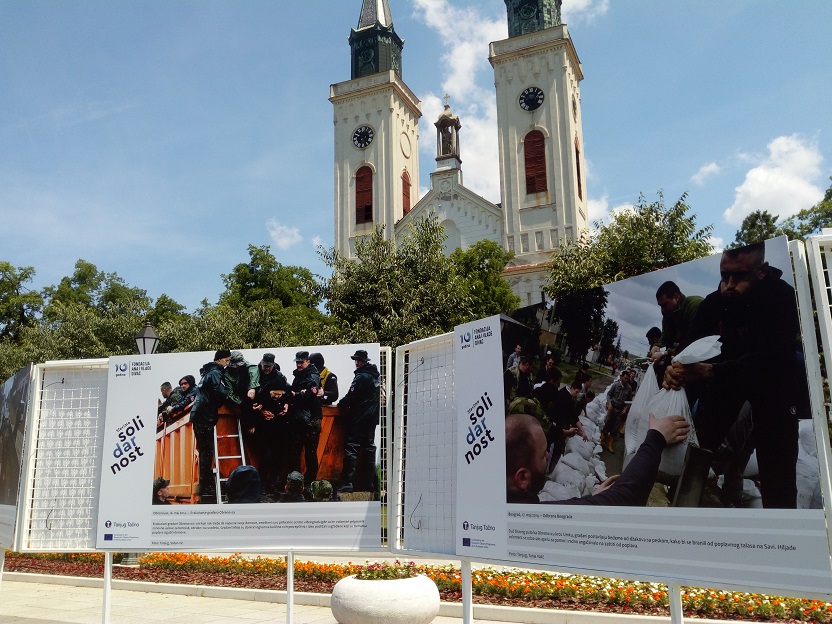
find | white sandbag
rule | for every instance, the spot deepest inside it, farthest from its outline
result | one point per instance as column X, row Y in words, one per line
column 573, row 460
column 576, row 444
column 808, row 481
column 554, row 491
column 601, row 471
column 751, row 497
column 806, row 435
column 566, row 475
column 589, row 426
column 638, row 421
column 673, row 403
column 700, row 350
column 589, row 483
column 751, row 467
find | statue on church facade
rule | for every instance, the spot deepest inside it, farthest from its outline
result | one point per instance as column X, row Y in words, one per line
column 447, row 133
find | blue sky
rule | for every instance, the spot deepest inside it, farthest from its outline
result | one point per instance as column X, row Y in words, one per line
column 159, row 139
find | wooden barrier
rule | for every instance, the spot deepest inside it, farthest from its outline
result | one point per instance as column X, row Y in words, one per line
column 177, row 457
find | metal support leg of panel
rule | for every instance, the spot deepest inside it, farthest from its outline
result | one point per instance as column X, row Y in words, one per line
column 2, row 563
column 467, row 593
column 290, row 586
column 108, row 587
column 674, row 596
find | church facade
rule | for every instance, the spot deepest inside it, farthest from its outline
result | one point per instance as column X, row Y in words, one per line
column 543, row 199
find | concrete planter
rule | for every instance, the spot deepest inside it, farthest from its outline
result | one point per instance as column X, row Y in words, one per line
column 400, row 601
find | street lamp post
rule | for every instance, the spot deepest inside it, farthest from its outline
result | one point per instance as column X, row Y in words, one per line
column 147, row 341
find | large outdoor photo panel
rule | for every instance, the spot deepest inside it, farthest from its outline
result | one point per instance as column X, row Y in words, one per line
column 727, row 494
column 14, row 399
column 266, row 454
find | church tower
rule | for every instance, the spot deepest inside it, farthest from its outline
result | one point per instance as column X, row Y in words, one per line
column 542, row 170
column 376, row 118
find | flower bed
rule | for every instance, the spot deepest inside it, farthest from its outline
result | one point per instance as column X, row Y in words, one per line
column 509, row 586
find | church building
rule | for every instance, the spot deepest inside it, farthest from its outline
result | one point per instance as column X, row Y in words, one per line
column 543, row 199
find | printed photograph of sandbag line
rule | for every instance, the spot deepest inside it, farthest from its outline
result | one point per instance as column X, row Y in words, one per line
column 714, row 343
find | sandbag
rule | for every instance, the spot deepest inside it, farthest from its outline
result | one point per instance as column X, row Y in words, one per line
column 566, row 475
column 574, row 460
column 673, row 403
column 575, row 444
column 554, row 491
column 808, row 483
column 806, row 435
column 589, row 483
column 638, row 421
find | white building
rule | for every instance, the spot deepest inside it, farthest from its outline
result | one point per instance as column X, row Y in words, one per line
column 543, row 199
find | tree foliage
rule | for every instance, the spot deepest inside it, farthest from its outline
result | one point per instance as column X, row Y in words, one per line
column 91, row 288
column 18, row 305
column 581, row 314
column 396, row 293
column 265, row 281
column 761, row 225
column 480, row 267
column 224, row 327
column 74, row 331
column 606, row 341
column 650, row 236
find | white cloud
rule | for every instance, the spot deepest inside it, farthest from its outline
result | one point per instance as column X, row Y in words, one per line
column 599, row 209
column 783, row 183
column 717, row 243
column 469, row 82
column 583, row 10
column 317, row 241
column 468, row 79
column 283, row 236
column 705, row 172
column 626, row 207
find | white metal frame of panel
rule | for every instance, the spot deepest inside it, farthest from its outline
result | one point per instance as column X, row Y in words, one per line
column 423, row 501
column 61, row 469
column 385, row 433
column 817, row 255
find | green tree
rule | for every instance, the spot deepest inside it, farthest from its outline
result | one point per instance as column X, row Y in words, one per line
column 91, row 288
column 648, row 237
column 480, row 267
column 581, row 314
column 224, row 327
column 264, row 281
column 606, row 343
column 165, row 309
column 761, row 225
column 73, row 332
column 18, row 305
column 393, row 293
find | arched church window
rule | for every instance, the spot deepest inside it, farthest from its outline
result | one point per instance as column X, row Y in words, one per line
column 578, row 168
column 364, row 195
column 535, row 160
column 405, row 193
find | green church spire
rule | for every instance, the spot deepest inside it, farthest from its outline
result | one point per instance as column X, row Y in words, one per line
column 374, row 43
column 525, row 16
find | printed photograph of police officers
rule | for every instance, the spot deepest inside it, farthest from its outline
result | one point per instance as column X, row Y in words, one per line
column 705, row 402
column 269, row 426
column 14, row 394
